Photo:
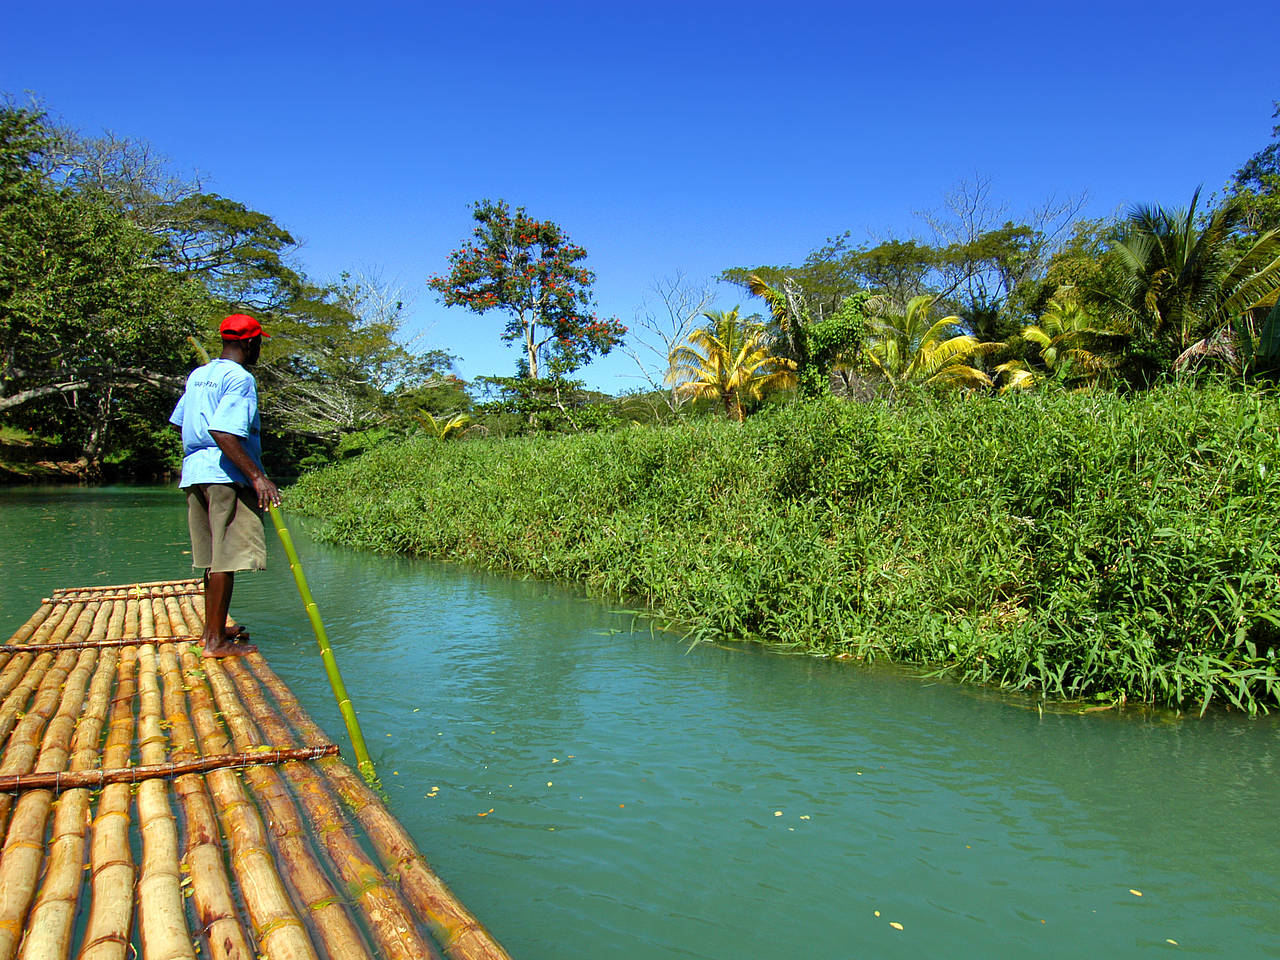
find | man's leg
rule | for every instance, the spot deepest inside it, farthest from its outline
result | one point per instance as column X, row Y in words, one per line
column 235, row 634
column 228, row 524
column 217, row 600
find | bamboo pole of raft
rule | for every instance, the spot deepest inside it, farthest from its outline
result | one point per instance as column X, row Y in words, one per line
column 326, row 651
column 281, row 934
column 27, row 629
column 24, row 743
column 106, row 935
column 24, row 848
column 211, row 888
column 51, row 922
column 390, row 922
column 162, row 911
column 303, row 872
column 21, row 675
column 459, row 933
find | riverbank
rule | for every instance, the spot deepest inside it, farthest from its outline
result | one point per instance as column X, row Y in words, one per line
column 1082, row 546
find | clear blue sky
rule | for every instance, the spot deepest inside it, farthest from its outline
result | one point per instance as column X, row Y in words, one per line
column 663, row 136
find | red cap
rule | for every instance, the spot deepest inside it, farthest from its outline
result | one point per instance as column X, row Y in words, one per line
column 241, row 326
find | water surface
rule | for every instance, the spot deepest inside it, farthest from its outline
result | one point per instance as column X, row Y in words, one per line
column 604, row 793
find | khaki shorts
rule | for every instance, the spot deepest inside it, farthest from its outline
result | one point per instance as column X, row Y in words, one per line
column 226, row 528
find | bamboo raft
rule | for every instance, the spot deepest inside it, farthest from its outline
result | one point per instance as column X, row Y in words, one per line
column 254, row 840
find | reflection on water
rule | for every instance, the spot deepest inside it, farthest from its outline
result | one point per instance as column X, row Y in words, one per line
column 608, row 794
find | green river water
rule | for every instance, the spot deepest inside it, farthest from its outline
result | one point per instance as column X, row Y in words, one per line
column 650, row 801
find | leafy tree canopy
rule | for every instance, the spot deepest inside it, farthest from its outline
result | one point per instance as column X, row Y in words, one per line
column 532, row 271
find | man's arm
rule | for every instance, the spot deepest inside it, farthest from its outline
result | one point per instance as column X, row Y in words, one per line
column 230, row 444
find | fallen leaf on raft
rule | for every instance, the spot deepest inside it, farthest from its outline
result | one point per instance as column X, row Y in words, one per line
column 895, row 924
column 486, row 813
column 1136, row 893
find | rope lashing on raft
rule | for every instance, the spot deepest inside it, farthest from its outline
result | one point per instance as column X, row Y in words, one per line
column 58, row 781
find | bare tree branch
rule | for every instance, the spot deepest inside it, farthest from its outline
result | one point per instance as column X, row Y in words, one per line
column 671, row 309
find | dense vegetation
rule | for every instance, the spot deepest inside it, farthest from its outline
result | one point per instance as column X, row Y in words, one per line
column 1079, row 545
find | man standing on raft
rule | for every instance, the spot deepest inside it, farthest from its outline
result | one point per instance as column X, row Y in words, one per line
column 227, row 489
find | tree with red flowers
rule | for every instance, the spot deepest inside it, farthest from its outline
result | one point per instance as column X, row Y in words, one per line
column 531, row 270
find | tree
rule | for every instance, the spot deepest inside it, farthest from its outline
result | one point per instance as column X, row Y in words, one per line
column 443, row 428
column 531, row 270
column 813, row 346
column 1257, row 184
column 337, row 364
column 670, row 311
column 976, row 263
column 88, row 325
column 908, row 347
column 983, row 256
column 728, row 360
column 1185, row 277
column 517, row 405
column 1074, row 346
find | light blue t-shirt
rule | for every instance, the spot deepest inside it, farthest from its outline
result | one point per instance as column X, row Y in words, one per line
column 223, row 396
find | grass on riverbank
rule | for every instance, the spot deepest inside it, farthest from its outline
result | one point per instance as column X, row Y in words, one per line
column 1082, row 546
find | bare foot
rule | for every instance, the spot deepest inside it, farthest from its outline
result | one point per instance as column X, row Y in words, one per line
column 237, row 634
column 226, row 649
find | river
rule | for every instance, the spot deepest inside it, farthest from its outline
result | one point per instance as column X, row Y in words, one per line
column 592, row 789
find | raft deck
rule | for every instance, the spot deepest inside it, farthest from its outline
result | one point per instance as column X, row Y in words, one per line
column 155, row 803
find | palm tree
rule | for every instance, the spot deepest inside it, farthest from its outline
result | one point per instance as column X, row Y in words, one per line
column 728, row 359
column 789, row 315
column 443, row 429
column 814, row 346
column 1187, row 278
column 907, row 348
column 1073, row 344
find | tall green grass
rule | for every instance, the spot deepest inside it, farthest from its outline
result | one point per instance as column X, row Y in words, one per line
column 1081, row 546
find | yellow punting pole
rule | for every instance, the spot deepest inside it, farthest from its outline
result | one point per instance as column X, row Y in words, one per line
column 326, row 651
